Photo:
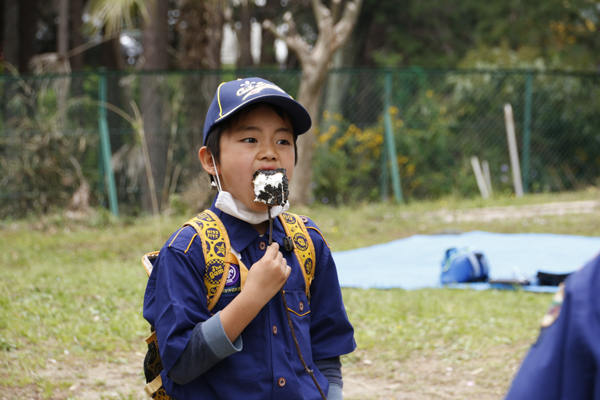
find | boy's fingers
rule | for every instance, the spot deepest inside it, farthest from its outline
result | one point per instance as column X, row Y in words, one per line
column 273, row 249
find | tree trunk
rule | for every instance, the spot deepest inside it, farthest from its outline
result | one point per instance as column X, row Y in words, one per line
column 10, row 32
column 153, row 102
column 3, row 22
column 309, row 95
column 348, row 56
column 315, row 61
column 243, row 34
column 270, row 10
column 27, row 27
column 78, row 60
column 200, row 49
column 200, row 31
column 267, row 51
column 62, row 38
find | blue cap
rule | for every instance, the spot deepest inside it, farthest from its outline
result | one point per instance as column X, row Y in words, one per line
column 234, row 95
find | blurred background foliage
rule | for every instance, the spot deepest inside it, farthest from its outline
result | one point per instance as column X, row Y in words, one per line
column 439, row 120
column 452, row 65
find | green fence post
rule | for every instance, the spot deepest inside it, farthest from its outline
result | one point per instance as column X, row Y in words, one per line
column 389, row 138
column 105, row 145
column 385, row 176
column 527, row 132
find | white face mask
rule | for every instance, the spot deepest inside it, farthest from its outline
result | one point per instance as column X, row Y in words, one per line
column 232, row 206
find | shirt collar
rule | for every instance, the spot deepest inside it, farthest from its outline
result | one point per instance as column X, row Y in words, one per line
column 241, row 233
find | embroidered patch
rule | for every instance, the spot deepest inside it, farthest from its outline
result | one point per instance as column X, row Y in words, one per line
column 213, row 233
column 220, row 249
column 250, row 88
column 300, row 241
column 555, row 307
column 289, row 218
column 234, row 275
column 214, row 271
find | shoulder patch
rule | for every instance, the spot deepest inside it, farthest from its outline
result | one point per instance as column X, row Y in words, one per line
column 183, row 239
column 555, row 307
column 319, row 232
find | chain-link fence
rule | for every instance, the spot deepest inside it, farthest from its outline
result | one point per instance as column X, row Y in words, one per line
column 58, row 132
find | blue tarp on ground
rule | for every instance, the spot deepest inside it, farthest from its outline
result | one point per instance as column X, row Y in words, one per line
column 415, row 262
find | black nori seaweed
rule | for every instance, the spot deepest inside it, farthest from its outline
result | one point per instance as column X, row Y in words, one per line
column 271, row 195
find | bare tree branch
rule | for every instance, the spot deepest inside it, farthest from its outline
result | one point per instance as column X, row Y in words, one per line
column 335, row 10
column 317, row 10
column 344, row 27
column 295, row 42
column 333, row 32
column 288, row 18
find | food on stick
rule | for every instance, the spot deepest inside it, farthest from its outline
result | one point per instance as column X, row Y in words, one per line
column 271, row 187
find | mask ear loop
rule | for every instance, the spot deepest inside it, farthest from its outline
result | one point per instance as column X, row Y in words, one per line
column 216, row 174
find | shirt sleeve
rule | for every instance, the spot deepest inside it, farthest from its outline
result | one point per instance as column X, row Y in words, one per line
column 208, row 345
column 335, row 392
column 331, row 368
column 183, row 323
column 331, row 333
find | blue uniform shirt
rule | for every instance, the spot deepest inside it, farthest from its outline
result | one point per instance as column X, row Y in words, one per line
column 564, row 362
column 175, row 302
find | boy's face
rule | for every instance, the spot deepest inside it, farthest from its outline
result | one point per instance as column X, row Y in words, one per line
column 258, row 140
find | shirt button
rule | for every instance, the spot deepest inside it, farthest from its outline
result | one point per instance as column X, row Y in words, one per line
column 281, row 382
column 301, row 306
column 274, row 330
column 262, row 245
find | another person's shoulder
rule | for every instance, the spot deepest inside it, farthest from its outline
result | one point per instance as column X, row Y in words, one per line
column 585, row 283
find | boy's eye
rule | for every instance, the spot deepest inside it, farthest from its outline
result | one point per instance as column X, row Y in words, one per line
column 249, row 140
column 284, row 142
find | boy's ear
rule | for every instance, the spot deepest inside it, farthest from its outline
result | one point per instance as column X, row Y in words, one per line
column 205, row 157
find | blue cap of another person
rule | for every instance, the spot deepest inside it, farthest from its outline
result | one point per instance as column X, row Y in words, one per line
column 234, row 95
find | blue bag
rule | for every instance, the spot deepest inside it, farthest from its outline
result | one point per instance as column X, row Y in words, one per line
column 464, row 265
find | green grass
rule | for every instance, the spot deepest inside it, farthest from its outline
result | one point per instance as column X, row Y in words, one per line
column 72, row 291
column 451, row 324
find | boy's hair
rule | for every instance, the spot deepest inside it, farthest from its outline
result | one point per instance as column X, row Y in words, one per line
column 213, row 140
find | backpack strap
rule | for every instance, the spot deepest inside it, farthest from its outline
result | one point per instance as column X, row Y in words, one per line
column 303, row 246
column 217, row 254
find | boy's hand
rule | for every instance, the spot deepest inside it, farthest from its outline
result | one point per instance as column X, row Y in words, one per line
column 267, row 276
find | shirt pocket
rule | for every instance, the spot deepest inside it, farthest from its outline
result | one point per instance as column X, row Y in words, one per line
column 299, row 310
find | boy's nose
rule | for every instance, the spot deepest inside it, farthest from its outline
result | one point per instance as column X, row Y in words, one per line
column 268, row 151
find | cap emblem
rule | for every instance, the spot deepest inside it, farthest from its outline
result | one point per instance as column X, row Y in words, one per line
column 250, row 88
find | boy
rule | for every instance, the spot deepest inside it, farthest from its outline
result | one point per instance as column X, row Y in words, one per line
column 243, row 347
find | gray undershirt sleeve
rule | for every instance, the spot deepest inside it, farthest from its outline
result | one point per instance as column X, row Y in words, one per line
column 331, row 368
column 335, row 392
column 207, row 346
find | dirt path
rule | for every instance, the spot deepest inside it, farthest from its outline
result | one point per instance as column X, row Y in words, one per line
column 417, row 378
column 513, row 212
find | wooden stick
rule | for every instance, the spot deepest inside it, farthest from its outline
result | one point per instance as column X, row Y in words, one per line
column 512, row 149
column 270, row 225
column 289, row 318
column 488, row 177
column 479, row 177
column 291, row 325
